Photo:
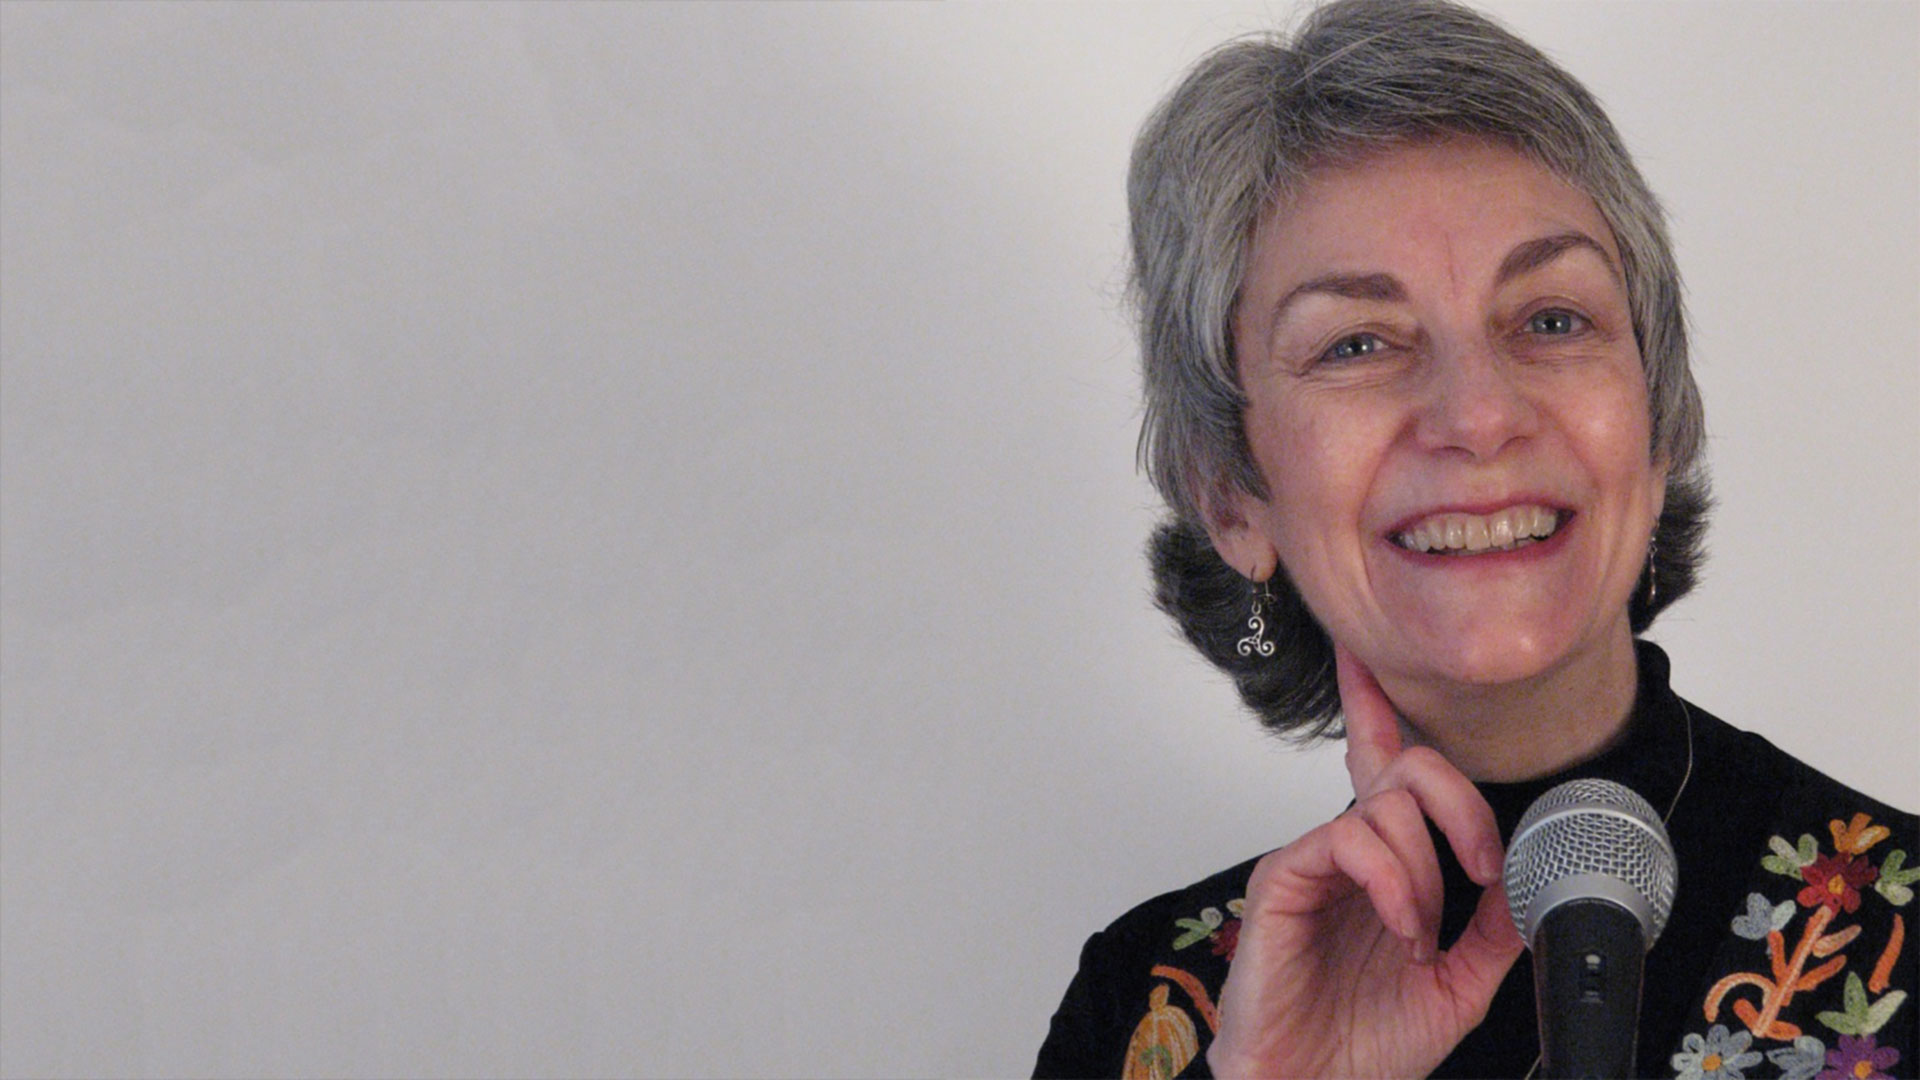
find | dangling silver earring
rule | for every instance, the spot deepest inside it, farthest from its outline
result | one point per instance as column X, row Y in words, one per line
column 1653, row 572
column 1257, row 642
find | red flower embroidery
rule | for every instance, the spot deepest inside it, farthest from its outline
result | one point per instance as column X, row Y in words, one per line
column 1226, row 939
column 1835, row 881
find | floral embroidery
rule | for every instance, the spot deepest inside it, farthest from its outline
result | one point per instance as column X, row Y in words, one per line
column 1883, row 970
column 1227, row 939
column 1894, row 880
column 1212, row 926
column 1786, row 859
column 1833, row 885
column 1199, row 929
column 1801, row 1061
column 1861, row 1017
column 1166, row 1039
column 1719, row 1054
column 1789, row 977
column 1163, row 1042
column 1835, row 880
column 1857, row 836
column 1195, row 990
column 1762, row 917
column 1860, row 1059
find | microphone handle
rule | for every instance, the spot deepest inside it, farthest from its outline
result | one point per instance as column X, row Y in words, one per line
column 1588, row 956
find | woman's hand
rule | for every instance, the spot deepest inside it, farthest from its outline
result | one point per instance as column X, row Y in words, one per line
column 1336, row 971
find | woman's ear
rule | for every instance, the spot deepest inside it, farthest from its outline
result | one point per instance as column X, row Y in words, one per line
column 1230, row 518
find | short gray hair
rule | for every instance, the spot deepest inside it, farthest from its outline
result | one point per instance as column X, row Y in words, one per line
column 1245, row 127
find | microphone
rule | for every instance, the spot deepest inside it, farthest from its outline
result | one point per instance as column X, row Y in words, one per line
column 1590, row 877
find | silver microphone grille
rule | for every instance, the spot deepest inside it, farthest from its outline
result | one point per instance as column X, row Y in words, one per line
column 1591, row 838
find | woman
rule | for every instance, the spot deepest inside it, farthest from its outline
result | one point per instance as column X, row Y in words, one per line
column 1418, row 398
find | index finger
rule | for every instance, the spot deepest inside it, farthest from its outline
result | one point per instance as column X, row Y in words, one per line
column 1373, row 727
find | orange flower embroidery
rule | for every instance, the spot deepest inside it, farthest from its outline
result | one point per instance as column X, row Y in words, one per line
column 1856, row 836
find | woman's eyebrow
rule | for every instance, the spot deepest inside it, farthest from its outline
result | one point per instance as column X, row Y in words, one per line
column 1534, row 254
column 1383, row 287
column 1529, row 255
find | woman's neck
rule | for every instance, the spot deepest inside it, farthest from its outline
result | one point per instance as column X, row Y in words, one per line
column 1529, row 729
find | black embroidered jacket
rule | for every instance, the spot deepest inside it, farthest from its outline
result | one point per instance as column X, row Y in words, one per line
column 1787, row 953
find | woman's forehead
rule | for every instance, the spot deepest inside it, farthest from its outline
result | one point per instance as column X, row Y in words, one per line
column 1472, row 200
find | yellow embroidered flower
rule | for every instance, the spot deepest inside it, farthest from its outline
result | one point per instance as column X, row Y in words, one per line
column 1857, row 836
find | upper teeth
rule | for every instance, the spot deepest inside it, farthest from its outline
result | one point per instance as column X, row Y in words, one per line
column 1498, row 531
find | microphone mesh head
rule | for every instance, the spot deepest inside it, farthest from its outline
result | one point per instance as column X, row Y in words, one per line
column 1592, row 827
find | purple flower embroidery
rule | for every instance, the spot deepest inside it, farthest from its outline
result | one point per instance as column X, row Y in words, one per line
column 1861, row 1058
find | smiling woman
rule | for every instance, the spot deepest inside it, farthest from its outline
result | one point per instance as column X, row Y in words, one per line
column 1418, row 399
column 1484, row 370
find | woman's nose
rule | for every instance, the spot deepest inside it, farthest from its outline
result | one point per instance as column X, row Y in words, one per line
column 1473, row 402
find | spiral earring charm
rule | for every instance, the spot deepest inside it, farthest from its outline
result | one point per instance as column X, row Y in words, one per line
column 1257, row 642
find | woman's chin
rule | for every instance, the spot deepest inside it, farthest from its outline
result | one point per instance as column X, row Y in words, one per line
column 1508, row 632
column 1476, row 662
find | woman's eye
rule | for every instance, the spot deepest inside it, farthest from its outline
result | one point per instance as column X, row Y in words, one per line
column 1353, row 347
column 1554, row 321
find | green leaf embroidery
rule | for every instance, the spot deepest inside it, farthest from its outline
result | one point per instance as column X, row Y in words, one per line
column 1787, row 860
column 1882, row 1011
column 1199, row 929
column 1860, row 1017
column 1196, row 931
column 1894, row 881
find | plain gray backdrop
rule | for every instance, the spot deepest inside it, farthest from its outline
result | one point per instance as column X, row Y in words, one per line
column 602, row 540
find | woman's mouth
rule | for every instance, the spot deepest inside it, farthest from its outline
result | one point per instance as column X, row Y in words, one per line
column 1474, row 534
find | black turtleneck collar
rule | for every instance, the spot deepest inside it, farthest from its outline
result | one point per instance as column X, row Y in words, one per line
column 1651, row 758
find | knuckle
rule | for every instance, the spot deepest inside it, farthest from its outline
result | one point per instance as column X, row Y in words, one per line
column 1270, row 865
column 1396, row 802
column 1347, row 828
column 1423, row 761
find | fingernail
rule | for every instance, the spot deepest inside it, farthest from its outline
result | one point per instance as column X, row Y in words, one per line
column 1492, row 860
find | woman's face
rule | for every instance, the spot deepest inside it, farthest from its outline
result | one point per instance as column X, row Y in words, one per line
column 1447, row 403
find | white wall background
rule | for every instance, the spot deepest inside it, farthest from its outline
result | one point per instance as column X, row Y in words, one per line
column 551, row 540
